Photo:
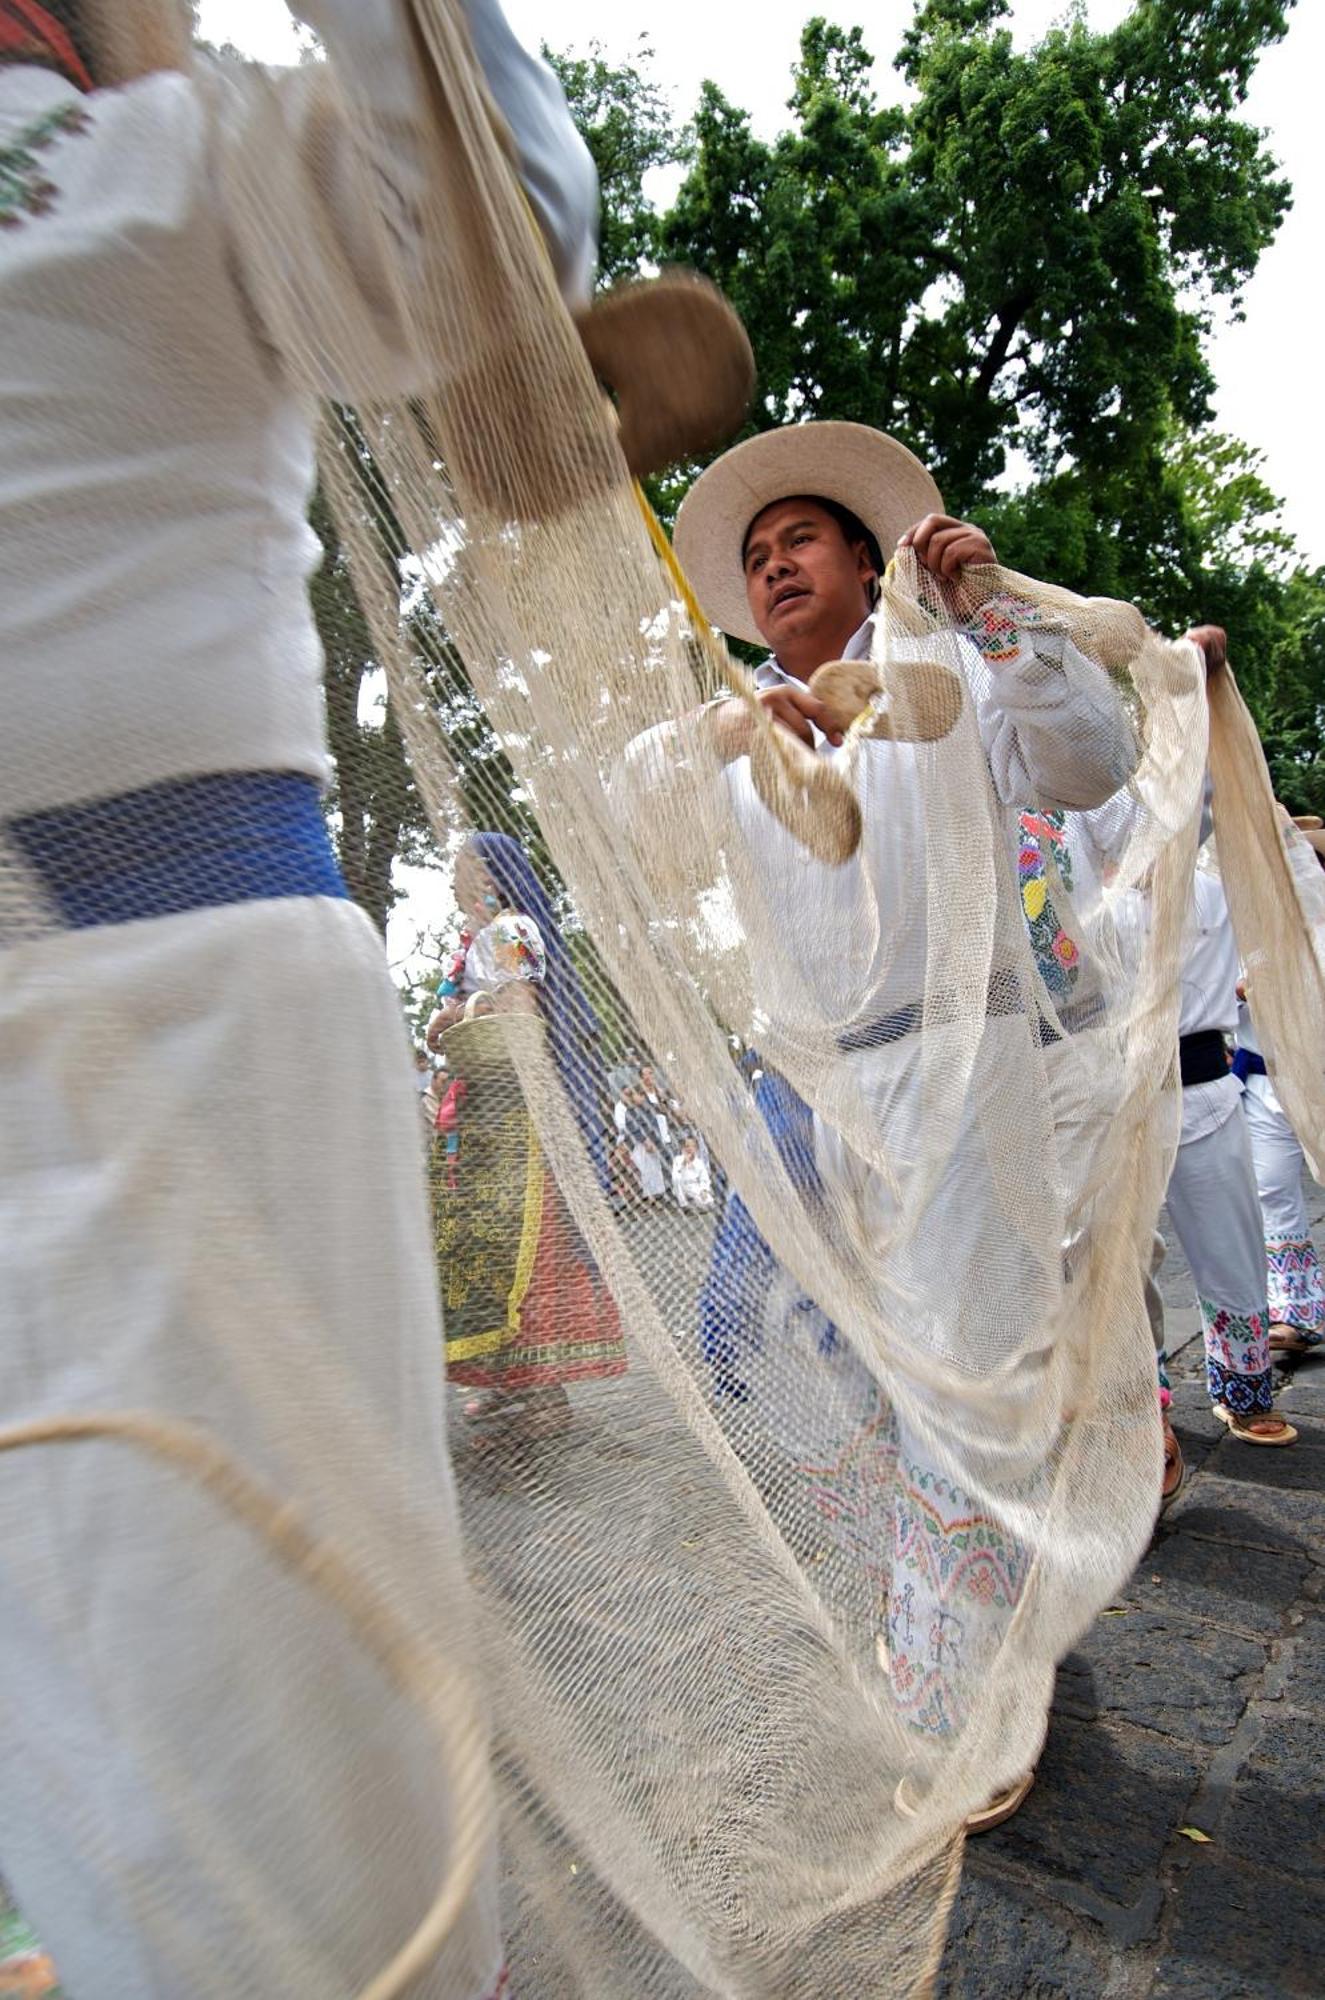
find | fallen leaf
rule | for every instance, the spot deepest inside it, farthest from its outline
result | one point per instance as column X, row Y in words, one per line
column 1194, row 1833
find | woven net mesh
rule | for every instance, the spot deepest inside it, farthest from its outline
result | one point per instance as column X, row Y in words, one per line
column 861, row 1429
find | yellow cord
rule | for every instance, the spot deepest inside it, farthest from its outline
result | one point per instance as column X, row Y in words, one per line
column 667, row 557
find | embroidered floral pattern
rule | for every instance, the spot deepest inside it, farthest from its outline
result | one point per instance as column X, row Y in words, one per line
column 957, row 1576
column 1043, row 843
column 852, row 1493
column 517, row 948
column 25, row 1968
column 997, row 627
column 25, row 190
column 1297, row 1287
column 1237, row 1358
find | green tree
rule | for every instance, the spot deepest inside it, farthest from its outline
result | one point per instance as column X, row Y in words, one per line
column 1022, row 259
column 373, row 806
column 628, row 126
column 1014, row 270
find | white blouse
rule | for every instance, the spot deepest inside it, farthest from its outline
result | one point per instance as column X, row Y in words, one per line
column 155, row 460
column 510, row 947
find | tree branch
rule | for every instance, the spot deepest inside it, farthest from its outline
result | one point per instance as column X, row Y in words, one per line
column 1005, row 329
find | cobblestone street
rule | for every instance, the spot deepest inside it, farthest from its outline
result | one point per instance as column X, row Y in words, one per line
column 1195, row 1703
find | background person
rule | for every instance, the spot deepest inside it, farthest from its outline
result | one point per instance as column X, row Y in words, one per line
column 692, row 1186
column 526, row 1312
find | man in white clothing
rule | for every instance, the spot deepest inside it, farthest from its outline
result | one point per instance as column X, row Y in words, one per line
column 210, row 1788
column 1212, row 1196
column 785, row 540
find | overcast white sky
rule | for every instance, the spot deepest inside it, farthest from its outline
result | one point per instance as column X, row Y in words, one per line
column 1267, row 368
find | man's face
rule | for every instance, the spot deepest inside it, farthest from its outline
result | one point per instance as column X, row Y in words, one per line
column 802, row 577
column 646, row 1078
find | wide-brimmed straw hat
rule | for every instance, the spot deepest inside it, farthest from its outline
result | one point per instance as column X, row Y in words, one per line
column 881, row 482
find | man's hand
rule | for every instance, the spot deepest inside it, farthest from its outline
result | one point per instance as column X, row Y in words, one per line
column 945, row 546
column 1212, row 642
column 789, row 704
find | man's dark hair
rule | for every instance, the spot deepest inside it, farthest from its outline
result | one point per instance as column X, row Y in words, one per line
column 853, row 528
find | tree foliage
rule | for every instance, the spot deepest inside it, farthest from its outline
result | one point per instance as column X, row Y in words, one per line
column 1014, row 268
column 1020, row 259
column 627, row 124
column 373, row 806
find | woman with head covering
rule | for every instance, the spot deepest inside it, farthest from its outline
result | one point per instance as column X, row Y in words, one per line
column 525, row 1309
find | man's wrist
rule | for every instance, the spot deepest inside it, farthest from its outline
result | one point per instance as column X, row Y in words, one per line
column 730, row 726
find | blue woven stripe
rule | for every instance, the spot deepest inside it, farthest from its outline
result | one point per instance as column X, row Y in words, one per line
column 229, row 837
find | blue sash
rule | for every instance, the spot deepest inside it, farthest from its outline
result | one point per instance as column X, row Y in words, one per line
column 190, row 844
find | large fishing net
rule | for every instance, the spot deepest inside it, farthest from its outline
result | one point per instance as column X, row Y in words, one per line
column 1276, row 900
column 798, row 1134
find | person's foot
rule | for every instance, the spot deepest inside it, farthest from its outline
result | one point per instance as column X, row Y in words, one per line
column 1286, row 1339
column 1001, row 1806
column 1261, row 1427
column 1175, row 1468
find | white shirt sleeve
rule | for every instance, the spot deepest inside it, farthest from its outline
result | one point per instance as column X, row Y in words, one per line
column 1053, row 725
column 556, row 170
column 349, row 193
column 678, row 1181
column 555, row 167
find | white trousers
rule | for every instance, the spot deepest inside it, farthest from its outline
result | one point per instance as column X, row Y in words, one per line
column 212, row 1210
column 960, row 1282
column 1212, row 1200
column 1296, row 1289
column 648, row 1165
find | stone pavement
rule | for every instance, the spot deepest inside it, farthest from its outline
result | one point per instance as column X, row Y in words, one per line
column 1197, row 1701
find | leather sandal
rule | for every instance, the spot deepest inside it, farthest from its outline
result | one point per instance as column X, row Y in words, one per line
column 1175, row 1468
column 1001, row 1806
column 1262, row 1428
column 1289, row 1340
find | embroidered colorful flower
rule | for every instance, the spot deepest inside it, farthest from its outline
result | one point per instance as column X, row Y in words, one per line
column 1057, row 954
column 517, row 948
column 997, row 626
column 25, row 190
